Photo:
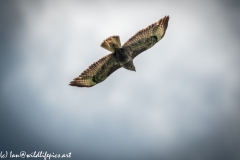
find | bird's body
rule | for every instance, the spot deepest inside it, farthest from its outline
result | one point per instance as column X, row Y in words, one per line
column 124, row 58
column 121, row 56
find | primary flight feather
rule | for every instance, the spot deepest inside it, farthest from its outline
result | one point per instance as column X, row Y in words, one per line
column 121, row 56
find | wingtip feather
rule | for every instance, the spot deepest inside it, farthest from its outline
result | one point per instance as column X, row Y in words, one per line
column 77, row 84
column 164, row 22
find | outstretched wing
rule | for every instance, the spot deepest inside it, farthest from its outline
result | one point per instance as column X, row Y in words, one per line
column 146, row 38
column 97, row 72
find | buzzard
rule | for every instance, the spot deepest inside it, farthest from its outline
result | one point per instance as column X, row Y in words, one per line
column 121, row 56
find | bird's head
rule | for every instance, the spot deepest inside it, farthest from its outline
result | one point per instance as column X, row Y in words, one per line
column 130, row 66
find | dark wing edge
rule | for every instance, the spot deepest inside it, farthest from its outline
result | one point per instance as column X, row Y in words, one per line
column 97, row 72
column 147, row 37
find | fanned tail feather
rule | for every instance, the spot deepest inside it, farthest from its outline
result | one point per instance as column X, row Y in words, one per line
column 111, row 43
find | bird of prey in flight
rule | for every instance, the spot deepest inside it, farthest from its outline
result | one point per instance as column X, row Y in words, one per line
column 121, row 56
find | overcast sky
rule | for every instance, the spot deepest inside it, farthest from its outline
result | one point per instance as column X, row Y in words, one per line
column 181, row 104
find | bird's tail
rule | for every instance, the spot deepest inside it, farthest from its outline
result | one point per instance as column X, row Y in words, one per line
column 111, row 43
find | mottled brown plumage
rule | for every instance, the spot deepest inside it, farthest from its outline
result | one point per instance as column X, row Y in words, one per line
column 121, row 56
